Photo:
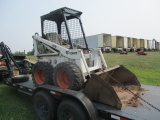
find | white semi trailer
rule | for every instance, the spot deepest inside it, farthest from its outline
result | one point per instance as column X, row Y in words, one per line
column 103, row 41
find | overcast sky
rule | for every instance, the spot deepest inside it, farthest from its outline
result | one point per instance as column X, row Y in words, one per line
column 20, row 19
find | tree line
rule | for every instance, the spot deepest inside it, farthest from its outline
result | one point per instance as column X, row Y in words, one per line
column 20, row 53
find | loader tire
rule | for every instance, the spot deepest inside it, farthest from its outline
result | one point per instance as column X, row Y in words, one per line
column 42, row 73
column 20, row 78
column 67, row 75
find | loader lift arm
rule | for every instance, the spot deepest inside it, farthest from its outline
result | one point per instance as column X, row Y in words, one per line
column 6, row 56
column 8, row 60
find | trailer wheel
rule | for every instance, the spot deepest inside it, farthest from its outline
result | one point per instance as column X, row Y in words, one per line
column 71, row 110
column 42, row 73
column 20, row 78
column 68, row 76
column 45, row 106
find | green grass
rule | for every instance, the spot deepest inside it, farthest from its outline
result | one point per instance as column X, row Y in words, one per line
column 32, row 58
column 16, row 106
column 146, row 68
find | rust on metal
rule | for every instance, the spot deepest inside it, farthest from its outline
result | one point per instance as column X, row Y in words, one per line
column 100, row 86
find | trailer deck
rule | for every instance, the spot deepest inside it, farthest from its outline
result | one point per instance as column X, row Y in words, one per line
column 144, row 112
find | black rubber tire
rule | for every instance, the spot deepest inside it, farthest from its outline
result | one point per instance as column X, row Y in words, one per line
column 20, row 78
column 45, row 106
column 74, row 73
column 47, row 70
column 71, row 110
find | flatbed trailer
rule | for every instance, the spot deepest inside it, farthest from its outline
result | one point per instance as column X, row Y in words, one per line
column 98, row 111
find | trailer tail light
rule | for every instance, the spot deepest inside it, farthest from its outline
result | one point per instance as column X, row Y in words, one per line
column 121, row 118
column 55, row 93
column 58, row 94
column 118, row 118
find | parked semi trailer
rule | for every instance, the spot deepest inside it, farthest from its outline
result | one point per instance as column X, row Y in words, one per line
column 158, row 45
column 72, row 82
column 102, row 41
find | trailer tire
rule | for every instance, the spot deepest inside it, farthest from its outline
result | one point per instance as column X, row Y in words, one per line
column 71, row 110
column 20, row 78
column 45, row 106
column 42, row 73
column 67, row 76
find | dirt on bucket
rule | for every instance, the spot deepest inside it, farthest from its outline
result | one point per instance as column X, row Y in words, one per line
column 126, row 95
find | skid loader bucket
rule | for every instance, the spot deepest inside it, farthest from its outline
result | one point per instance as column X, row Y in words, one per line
column 99, row 86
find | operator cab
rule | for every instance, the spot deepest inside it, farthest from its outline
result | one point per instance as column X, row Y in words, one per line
column 64, row 27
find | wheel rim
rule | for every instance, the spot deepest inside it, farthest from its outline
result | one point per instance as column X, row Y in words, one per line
column 63, row 79
column 69, row 115
column 43, row 109
column 39, row 76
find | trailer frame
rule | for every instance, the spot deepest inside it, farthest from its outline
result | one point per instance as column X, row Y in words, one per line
column 95, row 110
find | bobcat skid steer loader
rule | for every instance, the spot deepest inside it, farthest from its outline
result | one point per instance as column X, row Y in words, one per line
column 64, row 59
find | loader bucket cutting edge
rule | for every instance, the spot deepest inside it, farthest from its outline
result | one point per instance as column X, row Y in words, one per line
column 99, row 86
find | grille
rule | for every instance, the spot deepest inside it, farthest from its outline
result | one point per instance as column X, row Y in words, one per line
column 49, row 27
column 74, row 29
column 75, row 32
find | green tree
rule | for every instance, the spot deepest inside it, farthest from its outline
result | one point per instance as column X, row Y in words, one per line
column 19, row 53
column 30, row 52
